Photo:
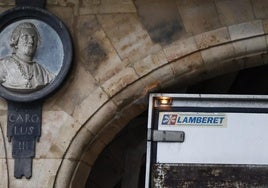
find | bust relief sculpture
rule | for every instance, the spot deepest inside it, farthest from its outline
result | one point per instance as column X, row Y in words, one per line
column 19, row 72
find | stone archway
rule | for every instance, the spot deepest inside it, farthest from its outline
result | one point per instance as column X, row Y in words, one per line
column 123, row 51
column 116, row 166
column 183, row 62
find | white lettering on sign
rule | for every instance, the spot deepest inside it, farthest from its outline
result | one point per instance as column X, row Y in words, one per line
column 23, row 118
column 23, row 130
column 192, row 119
column 23, row 145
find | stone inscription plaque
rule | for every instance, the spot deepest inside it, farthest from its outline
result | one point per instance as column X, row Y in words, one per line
column 24, row 129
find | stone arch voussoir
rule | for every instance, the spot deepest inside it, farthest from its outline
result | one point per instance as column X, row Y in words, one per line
column 185, row 61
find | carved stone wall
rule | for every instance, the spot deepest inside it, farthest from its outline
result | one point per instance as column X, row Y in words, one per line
column 125, row 49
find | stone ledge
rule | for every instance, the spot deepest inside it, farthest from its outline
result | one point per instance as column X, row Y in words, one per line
column 120, row 81
column 150, row 63
column 249, row 46
column 220, row 53
column 180, row 48
column 246, row 30
column 187, row 64
column 212, row 38
column 129, row 94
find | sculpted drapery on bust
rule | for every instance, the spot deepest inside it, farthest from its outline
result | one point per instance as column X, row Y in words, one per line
column 19, row 72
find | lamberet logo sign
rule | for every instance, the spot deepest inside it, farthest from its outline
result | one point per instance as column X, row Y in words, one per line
column 193, row 119
column 169, row 119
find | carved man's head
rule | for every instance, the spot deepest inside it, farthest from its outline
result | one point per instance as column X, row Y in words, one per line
column 24, row 39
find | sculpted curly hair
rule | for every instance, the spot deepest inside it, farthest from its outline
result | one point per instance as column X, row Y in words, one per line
column 14, row 38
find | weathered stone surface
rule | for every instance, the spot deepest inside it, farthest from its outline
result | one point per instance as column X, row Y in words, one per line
column 65, row 173
column 7, row 151
column 43, row 174
column 86, row 26
column 266, row 41
column 97, row 53
column 260, row 8
column 3, row 9
column 69, row 3
column 212, row 38
column 161, row 20
column 82, row 85
column 220, row 60
column 80, row 175
column 184, row 80
column 83, row 138
column 127, row 35
column 92, row 152
column 65, row 14
column 232, row 12
column 7, row 2
column 187, row 70
column 105, row 114
column 250, row 46
column 119, row 81
column 106, row 6
column 157, row 77
column 198, row 16
column 132, row 93
column 93, row 53
column 223, row 67
column 265, row 26
column 187, row 64
column 109, row 133
column 265, row 59
column 100, row 57
column 122, row 118
column 2, row 142
column 117, row 62
column 3, row 106
column 150, row 63
column 245, row 30
column 130, row 111
column 256, row 60
column 90, row 105
column 180, row 48
column 4, row 173
column 213, row 56
column 58, row 130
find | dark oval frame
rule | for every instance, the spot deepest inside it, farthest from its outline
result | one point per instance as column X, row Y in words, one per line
column 21, row 13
